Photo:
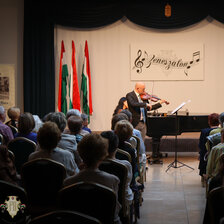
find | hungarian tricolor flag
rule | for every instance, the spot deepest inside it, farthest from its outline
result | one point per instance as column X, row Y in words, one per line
column 74, row 96
column 63, row 74
column 86, row 85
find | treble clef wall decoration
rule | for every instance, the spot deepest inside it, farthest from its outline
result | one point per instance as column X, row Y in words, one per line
column 139, row 62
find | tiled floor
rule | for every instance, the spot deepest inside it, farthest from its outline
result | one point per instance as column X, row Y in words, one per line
column 173, row 197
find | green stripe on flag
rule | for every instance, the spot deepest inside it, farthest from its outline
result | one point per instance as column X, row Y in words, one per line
column 64, row 89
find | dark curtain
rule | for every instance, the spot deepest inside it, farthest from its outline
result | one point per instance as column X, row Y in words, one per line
column 151, row 13
column 39, row 80
column 40, row 16
column 216, row 10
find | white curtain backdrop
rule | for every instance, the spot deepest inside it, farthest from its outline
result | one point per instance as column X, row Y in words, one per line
column 109, row 52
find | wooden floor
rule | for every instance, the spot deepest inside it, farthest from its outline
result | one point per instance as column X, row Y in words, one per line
column 173, row 197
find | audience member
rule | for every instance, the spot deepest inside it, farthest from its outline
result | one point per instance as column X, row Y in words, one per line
column 85, row 119
column 75, row 127
column 142, row 155
column 68, row 141
column 116, row 118
column 213, row 157
column 13, row 113
column 5, row 130
column 25, row 126
column 113, row 146
column 214, row 137
column 48, row 137
column 45, row 118
column 119, row 117
column 213, row 122
column 7, row 167
column 122, row 105
column 93, row 149
column 124, row 131
column 218, row 180
column 75, row 112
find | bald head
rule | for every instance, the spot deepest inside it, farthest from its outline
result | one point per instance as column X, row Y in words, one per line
column 140, row 87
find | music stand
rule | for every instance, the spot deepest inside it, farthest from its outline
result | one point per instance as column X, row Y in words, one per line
column 174, row 163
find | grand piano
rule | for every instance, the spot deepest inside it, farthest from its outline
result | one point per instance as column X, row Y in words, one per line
column 158, row 126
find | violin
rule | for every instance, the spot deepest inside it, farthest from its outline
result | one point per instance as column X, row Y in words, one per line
column 154, row 98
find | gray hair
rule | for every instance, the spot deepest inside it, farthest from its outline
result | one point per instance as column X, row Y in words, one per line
column 58, row 118
column 84, row 117
column 2, row 110
column 72, row 112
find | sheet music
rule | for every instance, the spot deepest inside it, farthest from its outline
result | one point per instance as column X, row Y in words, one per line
column 179, row 107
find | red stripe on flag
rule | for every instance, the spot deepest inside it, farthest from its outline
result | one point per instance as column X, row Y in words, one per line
column 75, row 95
column 60, row 75
column 89, row 76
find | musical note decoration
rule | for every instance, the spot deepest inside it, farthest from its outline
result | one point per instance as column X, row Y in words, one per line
column 195, row 59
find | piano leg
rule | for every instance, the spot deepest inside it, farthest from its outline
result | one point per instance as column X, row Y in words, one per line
column 155, row 147
column 156, row 155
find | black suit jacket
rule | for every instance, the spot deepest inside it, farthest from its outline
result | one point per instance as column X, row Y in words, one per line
column 134, row 107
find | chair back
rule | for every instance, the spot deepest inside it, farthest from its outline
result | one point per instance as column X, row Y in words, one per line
column 42, row 179
column 90, row 198
column 14, row 129
column 22, row 148
column 215, row 202
column 1, row 139
column 13, row 201
column 120, row 170
column 64, row 217
column 123, row 155
column 137, row 149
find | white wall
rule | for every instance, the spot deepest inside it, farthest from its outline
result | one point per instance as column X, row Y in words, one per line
column 110, row 65
column 11, row 42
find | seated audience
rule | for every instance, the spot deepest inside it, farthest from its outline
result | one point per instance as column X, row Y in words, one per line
column 124, row 131
column 26, row 124
column 113, row 146
column 72, row 112
column 213, row 122
column 213, row 158
column 75, row 112
column 85, row 119
column 93, row 149
column 13, row 114
column 119, row 117
column 5, row 130
column 68, row 141
column 214, row 137
column 45, row 118
column 7, row 167
column 122, row 105
column 48, row 137
column 218, row 180
column 75, row 127
column 142, row 155
column 116, row 118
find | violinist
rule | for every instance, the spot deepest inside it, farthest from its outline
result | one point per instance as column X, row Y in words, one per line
column 138, row 107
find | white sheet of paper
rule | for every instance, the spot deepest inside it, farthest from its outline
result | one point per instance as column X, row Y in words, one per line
column 180, row 106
